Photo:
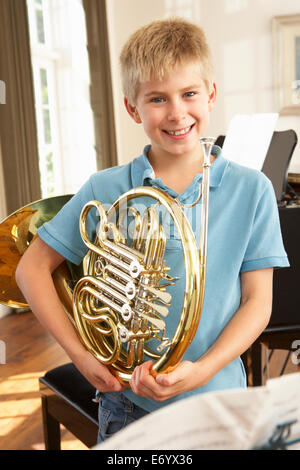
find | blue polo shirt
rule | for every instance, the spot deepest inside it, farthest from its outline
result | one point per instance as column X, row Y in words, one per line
column 243, row 235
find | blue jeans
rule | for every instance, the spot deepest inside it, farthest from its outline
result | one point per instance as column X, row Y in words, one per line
column 115, row 412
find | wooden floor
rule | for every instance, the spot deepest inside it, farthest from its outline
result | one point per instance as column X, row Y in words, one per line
column 30, row 352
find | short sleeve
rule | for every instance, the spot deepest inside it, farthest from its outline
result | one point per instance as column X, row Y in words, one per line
column 62, row 232
column 265, row 247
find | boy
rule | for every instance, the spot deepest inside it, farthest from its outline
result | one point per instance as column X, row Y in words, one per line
column 169, row 89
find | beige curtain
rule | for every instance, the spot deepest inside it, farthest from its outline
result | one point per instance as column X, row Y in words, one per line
column 101, row 85
column 17, row 116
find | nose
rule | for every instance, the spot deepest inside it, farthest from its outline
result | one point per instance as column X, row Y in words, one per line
column 176, row 111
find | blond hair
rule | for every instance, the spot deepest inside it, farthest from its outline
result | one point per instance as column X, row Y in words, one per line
column 155, row 49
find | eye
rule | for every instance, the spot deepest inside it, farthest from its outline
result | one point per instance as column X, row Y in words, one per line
column 189, row 94
column 157, row 99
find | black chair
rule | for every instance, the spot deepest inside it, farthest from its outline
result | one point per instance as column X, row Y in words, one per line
column 67, row 398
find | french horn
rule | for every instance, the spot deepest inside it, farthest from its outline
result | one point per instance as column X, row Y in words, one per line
column 118, row 299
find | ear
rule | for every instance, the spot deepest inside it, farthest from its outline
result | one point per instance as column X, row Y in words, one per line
column 212, row 96
column 132, row 111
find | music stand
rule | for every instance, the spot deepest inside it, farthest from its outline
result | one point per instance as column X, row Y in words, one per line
column 278, row 160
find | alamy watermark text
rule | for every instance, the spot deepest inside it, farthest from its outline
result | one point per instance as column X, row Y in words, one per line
column 2, row 352
column 2, row 92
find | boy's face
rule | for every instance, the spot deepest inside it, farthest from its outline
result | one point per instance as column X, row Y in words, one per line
column 174, row 111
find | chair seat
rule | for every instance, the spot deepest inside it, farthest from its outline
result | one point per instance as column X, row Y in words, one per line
column 67, row 398
column 70, row 384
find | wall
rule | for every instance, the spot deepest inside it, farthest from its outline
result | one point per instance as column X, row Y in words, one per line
column 239, row 32
column 240, row 35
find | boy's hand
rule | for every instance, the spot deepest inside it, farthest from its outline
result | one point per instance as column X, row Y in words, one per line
column 186, row 376
column 98, row 374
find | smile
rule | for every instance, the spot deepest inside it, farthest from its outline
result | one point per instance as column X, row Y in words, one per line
column 181, row 132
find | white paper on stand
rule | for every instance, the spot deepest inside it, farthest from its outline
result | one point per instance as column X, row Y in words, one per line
column 238, row 419
column 248, row 138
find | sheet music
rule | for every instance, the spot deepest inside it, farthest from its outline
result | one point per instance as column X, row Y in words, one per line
column 248, row 138
column 285, row 392
column 232, row 420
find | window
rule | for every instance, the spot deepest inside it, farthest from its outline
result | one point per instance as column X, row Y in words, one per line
column 61, row 85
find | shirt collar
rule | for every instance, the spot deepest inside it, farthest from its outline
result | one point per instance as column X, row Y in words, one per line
column 142, row 173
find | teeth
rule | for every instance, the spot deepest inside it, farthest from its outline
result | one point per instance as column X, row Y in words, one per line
column 182, row 132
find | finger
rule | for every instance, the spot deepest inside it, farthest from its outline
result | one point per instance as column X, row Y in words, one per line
column 134, row 381
column 171, row 378
column 108, row 382
column 145, row 368
column 142, row 382
column 110, row 386
column 145, row 376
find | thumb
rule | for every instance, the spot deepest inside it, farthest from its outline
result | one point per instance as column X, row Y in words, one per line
column 111, row 381
column 117, row 385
